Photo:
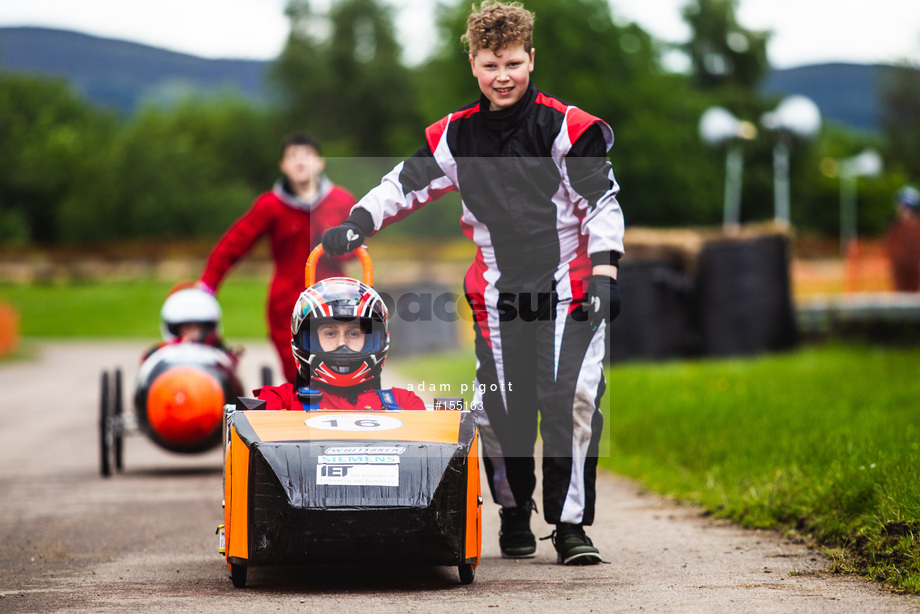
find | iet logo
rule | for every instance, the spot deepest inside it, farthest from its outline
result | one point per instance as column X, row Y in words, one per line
column 334, row 471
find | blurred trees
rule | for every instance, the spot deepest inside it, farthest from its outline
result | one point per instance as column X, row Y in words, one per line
column 74, row 173
column 342, row 78
column 722, row 52
column 727, row 64
column 182, row 172
column 901, row 117
column 49, row 139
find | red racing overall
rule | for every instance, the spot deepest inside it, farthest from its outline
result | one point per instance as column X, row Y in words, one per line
column 284, row 397
column 294, row 228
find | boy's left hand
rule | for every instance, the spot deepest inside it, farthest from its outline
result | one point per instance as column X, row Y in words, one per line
column 349, row 235
column 343, row 239
column 602, row 301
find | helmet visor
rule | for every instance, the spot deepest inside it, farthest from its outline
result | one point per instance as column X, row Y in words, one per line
column 191, row 331
column 352, row 335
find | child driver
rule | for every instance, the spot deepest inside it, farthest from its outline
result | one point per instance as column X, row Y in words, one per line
column 341, row 336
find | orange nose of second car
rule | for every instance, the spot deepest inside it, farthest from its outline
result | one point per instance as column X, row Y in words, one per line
column 185, row 405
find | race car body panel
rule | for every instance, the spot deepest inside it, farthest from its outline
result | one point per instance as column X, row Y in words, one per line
column 352, row 487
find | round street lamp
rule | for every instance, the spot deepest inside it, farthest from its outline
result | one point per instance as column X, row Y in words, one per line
column 795, row 116
column 718, row 126
column 868, row 163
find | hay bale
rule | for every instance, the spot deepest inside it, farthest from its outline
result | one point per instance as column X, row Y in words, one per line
column 9, row 330
column 657, row 320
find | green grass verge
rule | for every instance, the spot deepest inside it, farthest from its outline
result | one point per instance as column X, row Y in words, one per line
column 127, row 309
column 822, row 441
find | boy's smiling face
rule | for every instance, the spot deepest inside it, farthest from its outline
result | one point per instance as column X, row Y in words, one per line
column 504, row 76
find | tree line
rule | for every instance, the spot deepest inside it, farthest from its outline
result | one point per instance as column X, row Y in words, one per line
column 73, row 173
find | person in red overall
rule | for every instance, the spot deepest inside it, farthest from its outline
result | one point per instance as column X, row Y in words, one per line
column 301, row 206
column 902, row 241
column 341, row 336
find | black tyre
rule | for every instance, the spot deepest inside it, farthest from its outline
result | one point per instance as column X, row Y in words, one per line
column 467, row 573
column 238, row 575
column 266, row 376
column 118, row 430
column 104, row 430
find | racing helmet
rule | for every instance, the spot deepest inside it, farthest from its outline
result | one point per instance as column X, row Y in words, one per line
column 188, row 306
column 340, row 299
column 908, row 196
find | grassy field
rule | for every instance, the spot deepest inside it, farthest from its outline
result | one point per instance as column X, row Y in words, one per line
column 823, row 441
column 126, row 309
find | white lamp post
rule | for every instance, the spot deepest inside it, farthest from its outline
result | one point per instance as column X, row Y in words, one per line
column 795, row 116
column 718, row 126
column 865, row 164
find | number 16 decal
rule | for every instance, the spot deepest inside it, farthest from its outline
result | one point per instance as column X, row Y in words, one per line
column 350, row 422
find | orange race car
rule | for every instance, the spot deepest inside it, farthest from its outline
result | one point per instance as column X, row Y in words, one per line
column 182, row 384
column 320, row 484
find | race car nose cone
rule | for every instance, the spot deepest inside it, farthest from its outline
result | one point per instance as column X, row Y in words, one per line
column 185, row 405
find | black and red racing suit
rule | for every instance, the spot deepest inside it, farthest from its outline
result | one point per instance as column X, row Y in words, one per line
column 539, row 201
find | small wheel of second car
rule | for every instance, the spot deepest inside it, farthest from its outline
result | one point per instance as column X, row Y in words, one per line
column 266, row 376
column 104, row 430
column 118, row 427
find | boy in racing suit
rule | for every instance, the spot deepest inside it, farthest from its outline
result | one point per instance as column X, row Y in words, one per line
column 301, row 206
column 340, row 338
column 539, row 201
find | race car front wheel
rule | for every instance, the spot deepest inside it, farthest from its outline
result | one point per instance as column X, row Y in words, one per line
column 105, row 431
column 238, row 575
column 467, row 573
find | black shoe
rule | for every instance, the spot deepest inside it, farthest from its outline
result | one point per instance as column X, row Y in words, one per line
column 515, row 539
column 573, row 546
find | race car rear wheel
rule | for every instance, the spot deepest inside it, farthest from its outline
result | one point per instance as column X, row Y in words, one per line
column 238, row 575
column 467, row 573
column 118, row 410
column 104, row 427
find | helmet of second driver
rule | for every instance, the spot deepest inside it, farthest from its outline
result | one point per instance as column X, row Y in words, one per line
column 189, row 315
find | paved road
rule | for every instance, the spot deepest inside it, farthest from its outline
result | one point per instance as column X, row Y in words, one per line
column 144, row 540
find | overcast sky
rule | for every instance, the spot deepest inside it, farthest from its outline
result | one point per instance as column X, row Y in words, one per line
column 805, row 31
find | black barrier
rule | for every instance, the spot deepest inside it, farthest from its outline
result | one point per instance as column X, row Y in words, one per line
column 733, row 297
column 423, row 318
column 657, row 318
column 745, row 305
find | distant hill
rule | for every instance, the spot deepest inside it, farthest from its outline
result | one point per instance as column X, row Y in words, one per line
column 845, row 93
column 122, row 75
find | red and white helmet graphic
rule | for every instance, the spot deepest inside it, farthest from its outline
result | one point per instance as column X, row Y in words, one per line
column 340, row 299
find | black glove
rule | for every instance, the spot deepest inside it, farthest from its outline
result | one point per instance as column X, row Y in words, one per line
column 349, row 235
column 342, row 239
column 603, row 300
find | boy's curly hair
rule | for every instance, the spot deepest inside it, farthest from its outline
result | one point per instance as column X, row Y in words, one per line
column 495, row 25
